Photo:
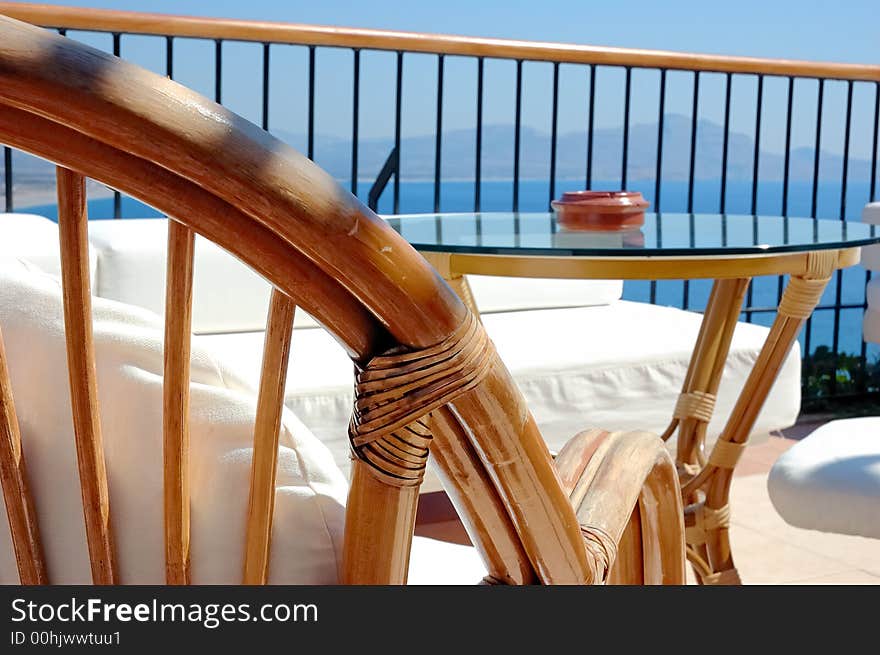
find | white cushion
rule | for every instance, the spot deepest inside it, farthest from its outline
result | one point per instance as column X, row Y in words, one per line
column 506, row 294
column 871, row 213
column 577, row 367
column 229, row 297
column 872, row 294
column 871, row 324
column 132, row 253
column 34, row 239
column 871, row 321
column 435, row 562
column 871, row 254
column 830, row 481
column 310, row 489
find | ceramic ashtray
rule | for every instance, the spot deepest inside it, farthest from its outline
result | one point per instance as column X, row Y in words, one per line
column 600, row 210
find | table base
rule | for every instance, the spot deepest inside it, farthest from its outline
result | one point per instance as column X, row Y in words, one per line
column 705, row 481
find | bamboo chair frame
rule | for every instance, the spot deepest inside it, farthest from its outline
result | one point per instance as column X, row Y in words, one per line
column 428, row 377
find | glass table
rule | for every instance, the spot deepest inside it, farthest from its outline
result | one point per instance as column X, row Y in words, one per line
column 728, row 249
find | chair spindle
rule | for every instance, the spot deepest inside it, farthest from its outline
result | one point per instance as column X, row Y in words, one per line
column 175, row 416
column 261, row 503
column 73, row 232
column 20, row 511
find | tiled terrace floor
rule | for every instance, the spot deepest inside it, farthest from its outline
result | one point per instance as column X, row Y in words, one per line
column 767, row 550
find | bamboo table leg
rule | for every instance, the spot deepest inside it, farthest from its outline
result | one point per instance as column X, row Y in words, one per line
column 695, row 405
column 707, row 518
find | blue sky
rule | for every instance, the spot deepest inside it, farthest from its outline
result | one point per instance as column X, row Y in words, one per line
column 803, row 29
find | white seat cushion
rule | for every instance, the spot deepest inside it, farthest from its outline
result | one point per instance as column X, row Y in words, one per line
column 132, row 253
column 34, row 239
column 830, row 481
column 871, row 254
column 618, row 366
column 310, row 489
column 229, row 297
column 435, row 562
column 508, row 294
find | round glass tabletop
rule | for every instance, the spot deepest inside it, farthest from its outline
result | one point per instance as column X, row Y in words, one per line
column 666, row 235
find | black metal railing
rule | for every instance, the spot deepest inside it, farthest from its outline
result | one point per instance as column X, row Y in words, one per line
column 391, row 170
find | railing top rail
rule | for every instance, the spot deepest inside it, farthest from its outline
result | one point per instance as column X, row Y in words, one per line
column 106, row 20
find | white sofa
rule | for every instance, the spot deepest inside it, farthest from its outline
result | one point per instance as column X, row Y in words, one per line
column 581, row 355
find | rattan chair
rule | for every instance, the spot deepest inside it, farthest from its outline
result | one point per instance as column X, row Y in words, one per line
column 427, row 376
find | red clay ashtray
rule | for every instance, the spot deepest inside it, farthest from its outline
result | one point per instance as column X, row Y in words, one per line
column 600, row 210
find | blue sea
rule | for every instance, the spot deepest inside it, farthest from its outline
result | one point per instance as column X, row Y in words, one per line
column 534, row 195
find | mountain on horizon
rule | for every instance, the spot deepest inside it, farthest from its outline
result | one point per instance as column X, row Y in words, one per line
column 458, row 155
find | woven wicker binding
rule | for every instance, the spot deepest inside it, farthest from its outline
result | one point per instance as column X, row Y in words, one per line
column 396, row 392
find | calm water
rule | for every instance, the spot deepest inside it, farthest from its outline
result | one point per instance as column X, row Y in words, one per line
column 418, row 197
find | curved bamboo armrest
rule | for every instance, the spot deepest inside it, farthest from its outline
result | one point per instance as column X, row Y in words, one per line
column 625, row 491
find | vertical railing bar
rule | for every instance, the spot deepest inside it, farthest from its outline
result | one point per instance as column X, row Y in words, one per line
column 397, row 103
column 838, row 275
column 863, row 353
column 846, row 144
column 265, row 117
column 808, row 328
column 658, row 174
column 438, row 141
column 787, row 162
column 218, row 71
column 780, row 286
column 756, row 156
column 685, row 302
column 117, row 197
column 554, row 126
column 311, row 135
column 756, row 165
column 355, row 118
column 816, row 151
column 7, row 177
column 517, row 124
column 725, row 143
column 661, row 117
column 591, row 125
column 873, row 189
column 624, row 158
column 169, row 57
column 693, row 144
column 478, row 146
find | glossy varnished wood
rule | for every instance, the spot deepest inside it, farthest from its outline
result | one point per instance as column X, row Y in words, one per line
column 261, row 31
column 510, row 447
column 477, row 502
column 616, row 479
column 73, row 236
column 20, row 511
column 631, row 267
column 708, row 359
column 270, row 403
column 175, row 388
column 379, row 524
column 629, row 567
